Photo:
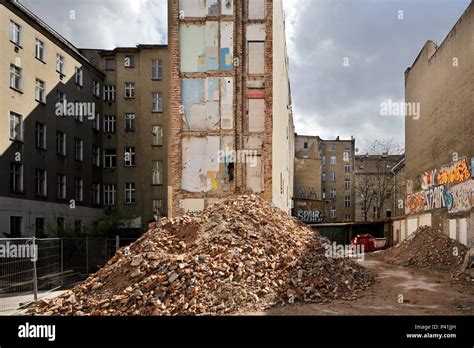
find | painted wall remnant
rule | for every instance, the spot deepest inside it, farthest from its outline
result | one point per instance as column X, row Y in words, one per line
column 227, row 44
column 256, row 112
column 256, row 9
column 200, row 99
column 227, row 7
column 227, row 100
column 461, row 197
column 193, row 8
column 212, row 7
column 199, row 47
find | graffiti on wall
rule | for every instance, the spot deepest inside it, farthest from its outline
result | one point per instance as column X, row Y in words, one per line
column 461, row 197
column 309, row 215
column 450, row 187
column 454, row 173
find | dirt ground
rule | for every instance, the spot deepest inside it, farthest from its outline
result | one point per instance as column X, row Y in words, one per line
column 424, row 292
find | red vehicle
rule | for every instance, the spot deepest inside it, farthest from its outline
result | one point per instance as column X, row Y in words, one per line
column 369, row 242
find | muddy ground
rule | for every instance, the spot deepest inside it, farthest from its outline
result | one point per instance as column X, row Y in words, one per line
column 425, row 292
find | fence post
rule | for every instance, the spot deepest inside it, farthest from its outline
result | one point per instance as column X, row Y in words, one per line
column 35, row 276
column 62, row 261
column 87, row 255
column 117, row 243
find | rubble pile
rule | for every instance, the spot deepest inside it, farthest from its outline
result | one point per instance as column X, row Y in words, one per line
column 238, row 256
column 428, row 248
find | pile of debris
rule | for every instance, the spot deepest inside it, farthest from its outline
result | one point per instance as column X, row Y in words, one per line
column 428, row 248
column 238, row 256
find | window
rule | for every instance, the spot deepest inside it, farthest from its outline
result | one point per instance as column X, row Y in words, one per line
column 362, row 213
column 324, row 193
column 96, row 194
column 129, row 61
column 15, row 77
column 375, row 212
column 109, row 124
column 40, row 94
column 78, row 149
column 16, row 226
column 347, row 217
column 333, row 176
column 324, row 160
column 40, row 135
column 130, row 193
column 157, row 173
column 333, row 212
column 110, row 158
column 109, row 93
column 61, row 97
column 333, row 160
column 347, row 184
column 157, row 136
column 157, row 69
column 157, row 205
column 60, row 65
column 15, row 32
column 129, row 157
column 39, row 49
column 333, row 193
column 305, row 146
column 347, row 155
column 110, row 192
column 347, row 201
column 96, row 155
column 129, row 90
column 96, row 88
column 61, row 143
column 129, row 122
column 332, row 147
column 16, row 177
column 79, row 76
column 347, row 168
column 109, row 64
column 96, row 122
column 79, row 189
column 39, row 227
column 40, row 183
column 324, row 176
column 61, row 186
column 157, row 102
column 16, row 127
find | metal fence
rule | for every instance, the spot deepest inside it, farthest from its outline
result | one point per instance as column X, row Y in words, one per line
column 30, row 268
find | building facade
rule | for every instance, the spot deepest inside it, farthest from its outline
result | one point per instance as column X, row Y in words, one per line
column 377, row 186
column 136, row 112
column 324, row 172
column 440, row 142
column 231, row 128
column 50, row 141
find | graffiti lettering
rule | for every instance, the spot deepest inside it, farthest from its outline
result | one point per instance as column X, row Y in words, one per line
column 434, row 198
column 428, row 179
column 454, row 173
column 415, row 202
column 309, row 215
column 461, row 197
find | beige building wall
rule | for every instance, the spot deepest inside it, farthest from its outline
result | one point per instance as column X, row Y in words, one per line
column 27, row 204
column 440, row 80
column 307, row 167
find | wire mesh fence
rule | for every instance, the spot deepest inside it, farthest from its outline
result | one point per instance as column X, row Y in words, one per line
column 30, row 268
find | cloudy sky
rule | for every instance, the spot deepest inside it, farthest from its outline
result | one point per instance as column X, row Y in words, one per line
column 346, row 56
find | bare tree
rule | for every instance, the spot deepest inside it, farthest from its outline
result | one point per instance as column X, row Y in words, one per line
column 375, row 184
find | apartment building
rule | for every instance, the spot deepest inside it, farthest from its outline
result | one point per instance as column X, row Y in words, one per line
column 231, row 126
column 50, row 139
column 377, row 186
column 440, row 142
column 136, row 114
column 337, row 177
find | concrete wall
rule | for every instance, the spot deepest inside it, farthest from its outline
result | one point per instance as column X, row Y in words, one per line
column 307, row 167
column 440, row 144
